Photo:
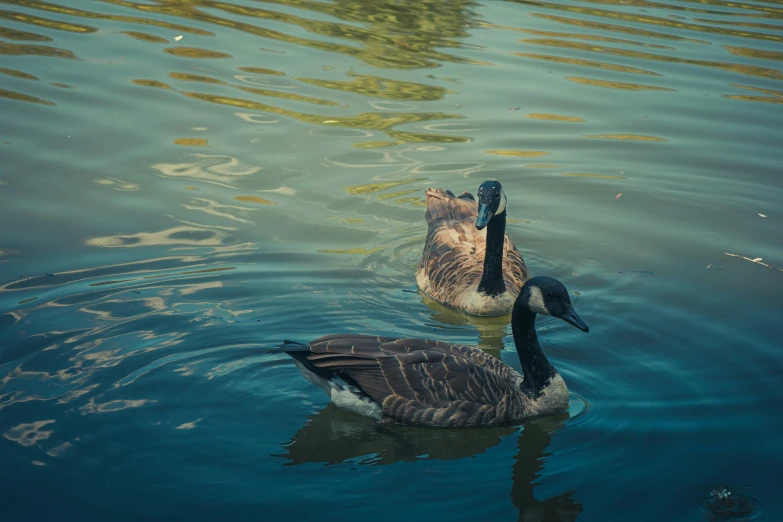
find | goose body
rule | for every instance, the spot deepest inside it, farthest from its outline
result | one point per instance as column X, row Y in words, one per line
column 477, row 270
column 439, row 384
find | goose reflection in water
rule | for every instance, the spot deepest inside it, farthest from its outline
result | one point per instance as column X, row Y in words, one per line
column 333, row 436
column 491, row 330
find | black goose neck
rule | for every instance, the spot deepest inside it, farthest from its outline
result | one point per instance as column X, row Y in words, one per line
column 536, row 368
column 492, row 283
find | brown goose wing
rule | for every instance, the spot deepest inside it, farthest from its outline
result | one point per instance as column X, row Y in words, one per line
column 450, row 261
column 419, row 381
column 443, row 205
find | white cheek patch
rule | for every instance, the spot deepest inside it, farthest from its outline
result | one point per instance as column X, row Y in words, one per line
column 536, row 301
column 502, row 205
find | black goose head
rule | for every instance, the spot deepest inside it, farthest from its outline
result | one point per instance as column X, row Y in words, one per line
column 491, row 201
column 548, row 296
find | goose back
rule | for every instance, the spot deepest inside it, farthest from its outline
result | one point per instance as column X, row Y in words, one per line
column 452, row 261
column 425, row 382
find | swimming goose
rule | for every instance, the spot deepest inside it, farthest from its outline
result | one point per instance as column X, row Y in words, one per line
column 463, row 266
column 438, row 384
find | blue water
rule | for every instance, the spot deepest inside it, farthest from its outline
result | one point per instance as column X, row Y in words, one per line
column 173, row 208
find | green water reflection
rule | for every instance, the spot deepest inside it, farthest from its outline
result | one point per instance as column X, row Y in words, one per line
column 185, row 183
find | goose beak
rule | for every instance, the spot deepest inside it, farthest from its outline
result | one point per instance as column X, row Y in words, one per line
column 573, row 318
column 484, row 215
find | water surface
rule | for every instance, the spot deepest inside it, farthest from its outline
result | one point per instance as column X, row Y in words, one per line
column 183, row 184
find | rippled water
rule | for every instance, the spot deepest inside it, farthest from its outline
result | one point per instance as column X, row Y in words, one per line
column 185, row 183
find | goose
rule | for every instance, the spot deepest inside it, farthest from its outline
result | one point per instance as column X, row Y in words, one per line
column 438, row 384
column 462, row 266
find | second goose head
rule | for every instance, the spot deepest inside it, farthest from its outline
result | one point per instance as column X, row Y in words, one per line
column 491, row 202
column 548, row 296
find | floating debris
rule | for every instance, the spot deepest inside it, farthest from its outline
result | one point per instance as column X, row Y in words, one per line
column 618, row 196
column 723, row 504
column 761, row 215
column 178, row 38
column 756, row 260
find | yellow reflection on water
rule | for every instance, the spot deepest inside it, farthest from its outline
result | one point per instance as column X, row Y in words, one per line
column 751, row 70
column 59, row 450
column 378, row 87
column 631, row 137
column 36, row 50
column 653, row 20
column 554, row 117
column 365, row 120
column 17, row 74
column 774, row 12
column 430, row 25
column 756, row 25
column 184, row 235
column 16, row 34
column 188, row 425
column 288, row 96
column 369, row 188
column 376, row 144
column 261, row 70
column 188, row 77
column 29, row 434
column 191, row 142
column 198, row 78
column 145, row 37
column 775, row 96
column 152, row 83
column 591, row 24
column 118, row 184
column 12, row 95
column 111, row 406
column 378, row 38
column 617, row 85
column 216, row 169
column 349, row 221
column 45, row 22
column 587, row 63
column 63, row 10
column 594, row 38
column 421, row 137
column 758, row 89
column 647, row 3
column 755, row 53
column 195, row 52
column 518, row 153
column 255, row 199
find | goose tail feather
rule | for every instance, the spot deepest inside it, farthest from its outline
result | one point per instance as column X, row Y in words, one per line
column 290, row 346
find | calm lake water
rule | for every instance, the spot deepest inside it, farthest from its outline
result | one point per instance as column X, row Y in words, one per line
column 186, row 183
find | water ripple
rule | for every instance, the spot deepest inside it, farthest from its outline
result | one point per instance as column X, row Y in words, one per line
column 186, row 184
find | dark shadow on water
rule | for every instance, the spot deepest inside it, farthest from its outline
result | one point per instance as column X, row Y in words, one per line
column 334, row 436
